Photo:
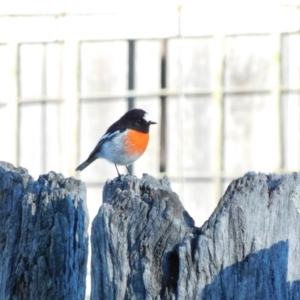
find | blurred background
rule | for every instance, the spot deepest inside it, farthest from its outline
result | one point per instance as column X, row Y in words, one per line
column 221, row 78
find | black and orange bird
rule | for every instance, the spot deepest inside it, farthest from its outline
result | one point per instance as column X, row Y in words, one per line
column 124, row 141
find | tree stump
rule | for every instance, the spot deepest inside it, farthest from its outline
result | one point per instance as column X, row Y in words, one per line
column 145, row 245
column 43, row 236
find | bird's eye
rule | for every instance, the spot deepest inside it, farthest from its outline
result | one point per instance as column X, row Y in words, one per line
column 139, row 120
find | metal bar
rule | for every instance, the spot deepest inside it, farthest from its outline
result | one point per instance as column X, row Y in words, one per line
column 131, row 80
column 11, row 105
column 277, row 64
column 131, row 71
column 17, row 112
column 187, row 92
column 79, row 108
column 23, row 101
column 139, row 94
column 69, row 107
column 217, row 132
column 169, row 92
column 163, row 106
column 44, row 109
column 209, row 176
column 159, row 93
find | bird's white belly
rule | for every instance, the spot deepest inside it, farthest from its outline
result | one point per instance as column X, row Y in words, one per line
column 115, row 152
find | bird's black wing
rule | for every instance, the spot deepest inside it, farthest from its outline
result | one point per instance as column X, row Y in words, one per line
column 112, row 131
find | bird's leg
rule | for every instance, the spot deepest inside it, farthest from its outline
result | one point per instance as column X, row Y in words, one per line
column 117, row 170
column 128, row 170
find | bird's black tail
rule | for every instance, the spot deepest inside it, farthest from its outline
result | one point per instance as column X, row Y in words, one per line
column 85, row 164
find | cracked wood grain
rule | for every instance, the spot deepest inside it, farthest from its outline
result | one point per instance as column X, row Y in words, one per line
column 43, row 236
column 145, row 244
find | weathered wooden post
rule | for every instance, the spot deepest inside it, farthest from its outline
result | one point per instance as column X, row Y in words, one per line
column 43, row 236
column 145, row 245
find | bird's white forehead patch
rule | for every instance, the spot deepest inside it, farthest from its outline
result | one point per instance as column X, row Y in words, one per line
column 146, row 117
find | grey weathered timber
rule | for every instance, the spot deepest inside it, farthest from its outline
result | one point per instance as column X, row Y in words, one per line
column 43, row 236
column 145, row 245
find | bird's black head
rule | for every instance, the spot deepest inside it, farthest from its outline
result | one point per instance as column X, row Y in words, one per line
column 137, row 119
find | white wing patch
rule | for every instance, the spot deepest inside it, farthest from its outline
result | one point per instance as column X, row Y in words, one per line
column 108, row 136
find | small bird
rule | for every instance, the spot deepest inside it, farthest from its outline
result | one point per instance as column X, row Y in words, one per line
column 124, row 141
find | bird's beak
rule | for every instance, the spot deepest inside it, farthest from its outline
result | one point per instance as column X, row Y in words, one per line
column 151, row 122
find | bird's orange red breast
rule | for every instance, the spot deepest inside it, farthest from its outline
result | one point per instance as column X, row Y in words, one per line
column 136, row 142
